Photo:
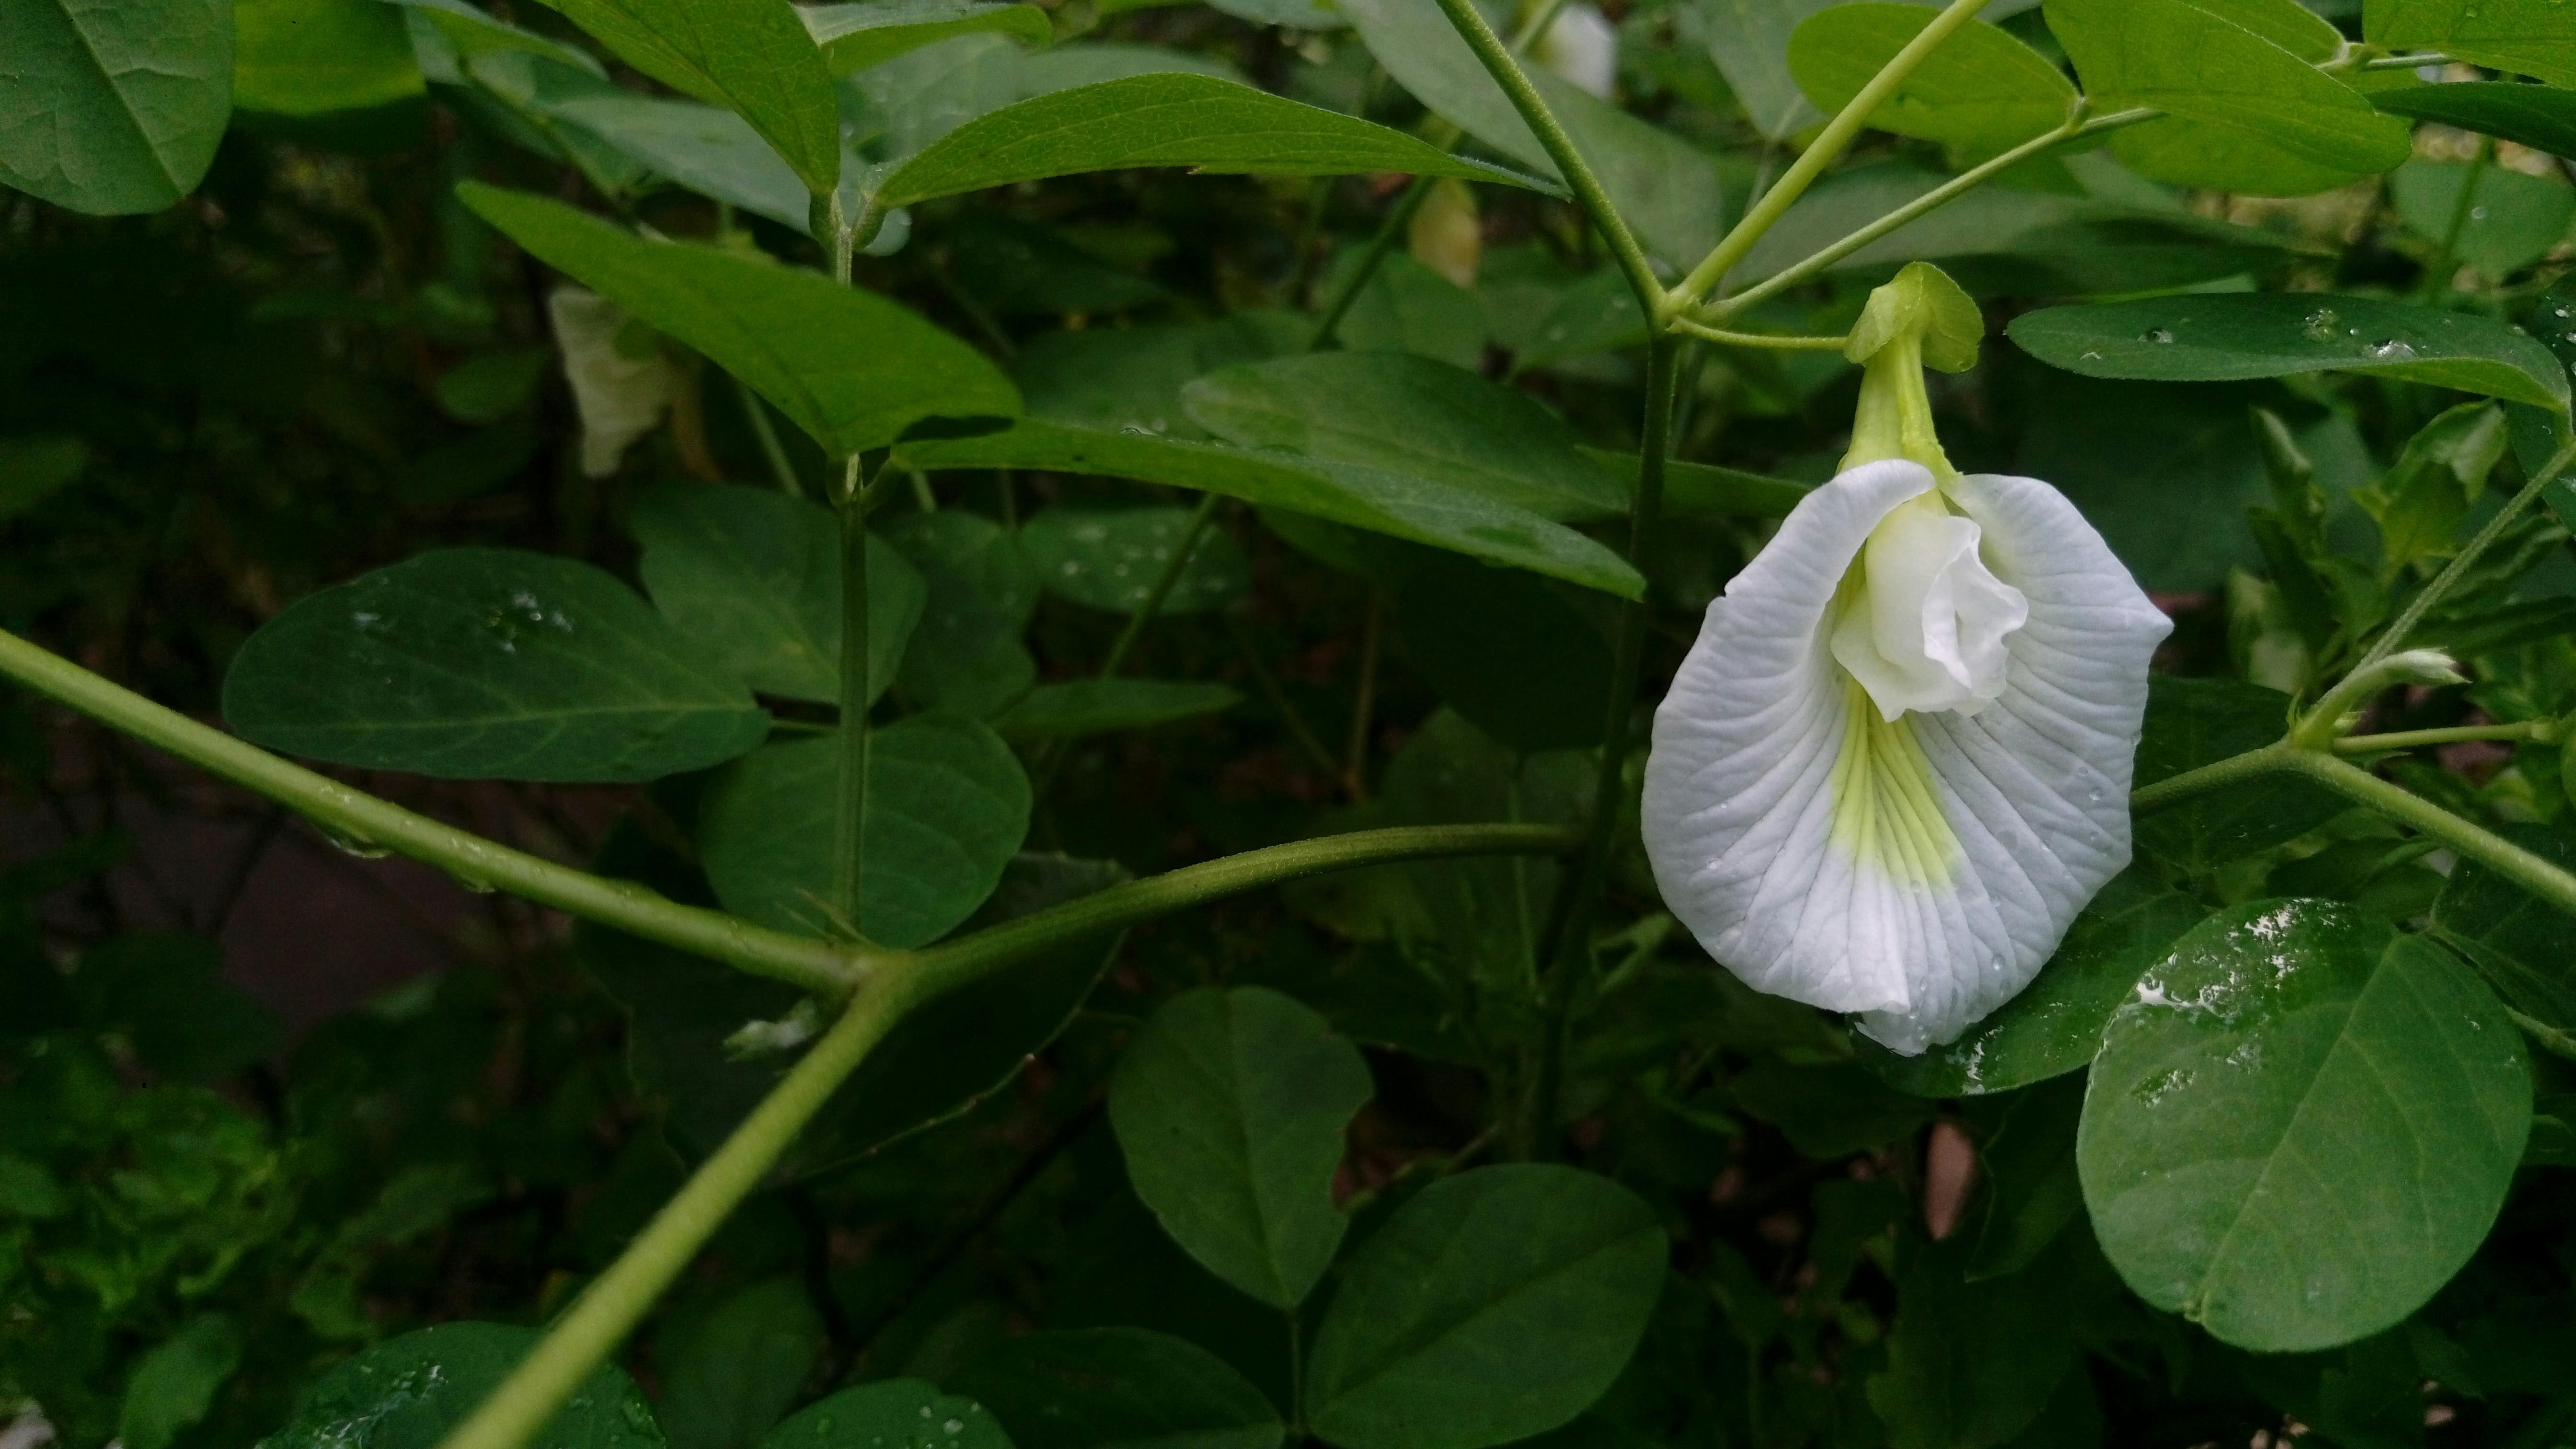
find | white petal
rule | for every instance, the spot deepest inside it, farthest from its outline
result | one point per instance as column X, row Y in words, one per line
column 1582, row 46
column 619, row 389
column 1918, row 871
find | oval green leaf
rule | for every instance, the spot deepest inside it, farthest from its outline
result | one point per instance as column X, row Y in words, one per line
column 1230, row 1107
column 707, row 149
column 889, row 1414
column 493, row 664
column 2541, row 117
column 869, row 32
column 947, row 807
column 754, row 577
column 408, row 1392
column 1167, row 118
column 2301, row 1125
column 751, row 57
column 2229, row 336
column 314, row 57
column 1494, row 1305
column 1409, row 415
column 2199, row 66
column 1118, row 1388
column 2055, row 1025
column 849, row 367
column 1111, row 558
column 114, row 109
column 1980, row 90
column 1362, row 497
column 2525, row 37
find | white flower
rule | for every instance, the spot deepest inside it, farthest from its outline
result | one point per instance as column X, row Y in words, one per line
column 621, row 382
column 1582, row 46
column 1896, row 763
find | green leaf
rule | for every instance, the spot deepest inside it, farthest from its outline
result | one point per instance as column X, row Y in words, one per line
column 751, row 57
column 1969, row 1363
column 2425, row 496
column 1107, row 706
column 1405, row 306
column 729, row 1372
column 408, row 1392
column 1130, row 378
column 1118, row 1388
column 1165, row 119
column 1494, row 1305
column 1980, row 91
column 967, row 653
column 173, row 1386
column 476, row 663
column 2055, row 1025
column 849, row 367
column 2527, row 37
column 1666, row 187
column 2541, row 117
column 1110, row 558
column 1508, row 652
column 465, row 33
column 1230, row 1107
column 2301, row 1125
column 2196, row 722
column 2246, row 97
column 35, row 469
column 2517, row 941
column 113, row 109
column 1749, row 40
column 1413, row 416
column 2276, row 334
column 313, row 57
column 2512, row 221
column 871, row 32
column 707, row 149
column 890, row 1414
column 753, row 577
column 1019, row 270
column 947, row 806
column 1362, row 497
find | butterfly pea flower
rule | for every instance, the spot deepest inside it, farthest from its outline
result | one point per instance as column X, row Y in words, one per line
column 1896, row 762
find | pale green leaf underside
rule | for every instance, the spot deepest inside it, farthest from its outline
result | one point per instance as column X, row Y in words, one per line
column 112, row 107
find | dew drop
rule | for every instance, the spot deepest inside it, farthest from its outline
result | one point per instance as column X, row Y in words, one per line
column 2158, row 335
column 2392, row 350
column 2320, row 325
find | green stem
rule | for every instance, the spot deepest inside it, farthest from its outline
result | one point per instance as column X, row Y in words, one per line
column 767, row 432
column 1760, row 339
column 1152, row 604
column 850, row 804
column 2437, row 273
column 951, row 964
column 1939, row 196
column 817, row 966
column 2524, row 868
column 1556, row 962
column 1355, row 750
column 1267, row 682
column 2167, row 793
column 1379, row 245
column 1811, row 163
column 1506, row 70
column 2530, row 729
column 614, row 1302
column 2421, row 604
